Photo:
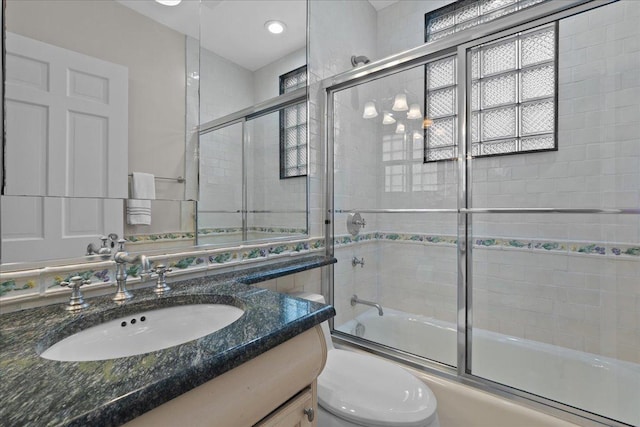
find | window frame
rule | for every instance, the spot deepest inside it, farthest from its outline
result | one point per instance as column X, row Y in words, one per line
column 283, row 129
column 515, row 6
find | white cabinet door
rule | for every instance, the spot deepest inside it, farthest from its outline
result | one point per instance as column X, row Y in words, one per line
column 67, row 122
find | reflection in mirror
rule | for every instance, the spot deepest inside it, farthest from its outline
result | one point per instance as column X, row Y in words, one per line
column 243, row 194
column 149, row 110
column 56, row 228
column 95, row 92
column 86, row 105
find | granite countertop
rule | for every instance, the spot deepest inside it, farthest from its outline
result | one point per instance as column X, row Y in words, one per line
column 41, row 392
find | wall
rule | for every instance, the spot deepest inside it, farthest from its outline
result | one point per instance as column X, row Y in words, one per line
column 569, row 280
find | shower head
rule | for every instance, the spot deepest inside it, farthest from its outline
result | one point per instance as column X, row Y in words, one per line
column 357, row 60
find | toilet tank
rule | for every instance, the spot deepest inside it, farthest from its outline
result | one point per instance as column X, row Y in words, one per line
column 325, row 325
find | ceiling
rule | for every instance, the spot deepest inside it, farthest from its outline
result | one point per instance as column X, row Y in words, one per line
column 235, row 29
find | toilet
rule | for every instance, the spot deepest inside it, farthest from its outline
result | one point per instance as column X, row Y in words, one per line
column 358, row 390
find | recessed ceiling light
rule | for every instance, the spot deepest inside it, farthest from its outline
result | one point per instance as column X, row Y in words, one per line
column 275, row 27
column 169, row 2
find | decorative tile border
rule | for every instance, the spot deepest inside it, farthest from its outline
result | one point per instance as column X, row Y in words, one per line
column 40, row 281
column 162, row 237
column 585, row 248
column 44, row 280
column 177, row 236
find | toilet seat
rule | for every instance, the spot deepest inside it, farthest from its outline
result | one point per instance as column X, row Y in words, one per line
column 372, row 392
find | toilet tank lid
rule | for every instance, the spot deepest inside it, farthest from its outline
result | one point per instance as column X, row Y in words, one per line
column 310, row 297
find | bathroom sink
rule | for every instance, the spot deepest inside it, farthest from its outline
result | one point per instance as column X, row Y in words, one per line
column 143, row 332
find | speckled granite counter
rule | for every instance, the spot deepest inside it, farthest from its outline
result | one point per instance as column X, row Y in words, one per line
column 40, row 392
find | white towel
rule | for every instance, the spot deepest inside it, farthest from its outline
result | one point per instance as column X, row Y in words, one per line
column 143, row 190
column 143, row 186
column 138, row 212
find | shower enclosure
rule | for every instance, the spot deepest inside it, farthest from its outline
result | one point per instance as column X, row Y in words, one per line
column 243, row 193
column 496, row 174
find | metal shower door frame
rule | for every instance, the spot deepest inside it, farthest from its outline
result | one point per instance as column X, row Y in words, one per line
column 459, row 44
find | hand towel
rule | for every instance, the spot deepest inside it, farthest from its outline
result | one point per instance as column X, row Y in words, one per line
column 138, row 212
column 143, row 186
column 143, row 190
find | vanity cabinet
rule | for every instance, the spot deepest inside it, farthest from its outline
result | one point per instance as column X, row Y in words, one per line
column 300, row 411
column 276, row 388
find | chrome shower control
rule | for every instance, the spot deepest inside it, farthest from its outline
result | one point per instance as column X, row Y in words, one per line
column 354, row 223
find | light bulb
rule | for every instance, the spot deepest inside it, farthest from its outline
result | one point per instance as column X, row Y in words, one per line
column 414, row 112
column 388, row 119
column 400, row 128
column 275, row 27
column 426, row 123
column 400, row 103
column 369, row 110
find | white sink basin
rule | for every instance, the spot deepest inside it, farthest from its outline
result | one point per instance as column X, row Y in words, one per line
column 144, row 332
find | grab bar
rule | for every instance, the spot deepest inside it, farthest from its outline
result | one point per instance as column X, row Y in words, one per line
column 355, row 300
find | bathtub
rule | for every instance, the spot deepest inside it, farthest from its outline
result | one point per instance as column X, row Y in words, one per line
column 598, row 384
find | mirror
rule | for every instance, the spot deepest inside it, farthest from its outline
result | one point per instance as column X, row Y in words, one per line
column 153, row 52
column 248, row 191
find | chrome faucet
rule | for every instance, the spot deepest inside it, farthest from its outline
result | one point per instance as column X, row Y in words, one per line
column 104, row 251
column 76, row 301
column 355, row 300
column 122, row 258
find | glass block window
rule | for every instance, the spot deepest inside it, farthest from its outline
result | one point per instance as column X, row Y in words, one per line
column 512, row 100
column 440, row 106
column 293, row 127
column 465, row 14
column 513, row 94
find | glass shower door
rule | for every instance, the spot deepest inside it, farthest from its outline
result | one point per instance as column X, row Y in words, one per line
column 554, row 293
column 403, row 254
column 220, row 200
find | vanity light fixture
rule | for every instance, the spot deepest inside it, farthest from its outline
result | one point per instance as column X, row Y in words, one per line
column 417, row 135
column 400, row 128
column 169, row 2
column 400, row 103
column 369, row 110
column 388, row 119
column 275, row 27
column 414, row 112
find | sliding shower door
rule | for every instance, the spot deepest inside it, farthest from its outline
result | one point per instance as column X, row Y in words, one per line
column 220, row 200
column 555, row 295
column 403, row 254
column 253, row 174
column 486, row 206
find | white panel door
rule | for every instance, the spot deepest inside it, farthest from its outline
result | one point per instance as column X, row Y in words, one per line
column 67, row 116
column 40, row 228
column 67, row 136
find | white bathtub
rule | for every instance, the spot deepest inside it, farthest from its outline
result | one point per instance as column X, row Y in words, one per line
column 587, row 381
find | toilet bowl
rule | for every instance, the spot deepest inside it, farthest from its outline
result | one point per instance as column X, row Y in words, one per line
column 356, row 390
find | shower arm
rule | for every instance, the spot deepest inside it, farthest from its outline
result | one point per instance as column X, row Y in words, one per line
column 355, row 300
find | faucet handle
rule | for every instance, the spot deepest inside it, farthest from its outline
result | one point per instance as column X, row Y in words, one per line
column 161, row 283
column 121, row 243
column 76, row 301
column 75, row 282
column 161, row 269
column 104, row 239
